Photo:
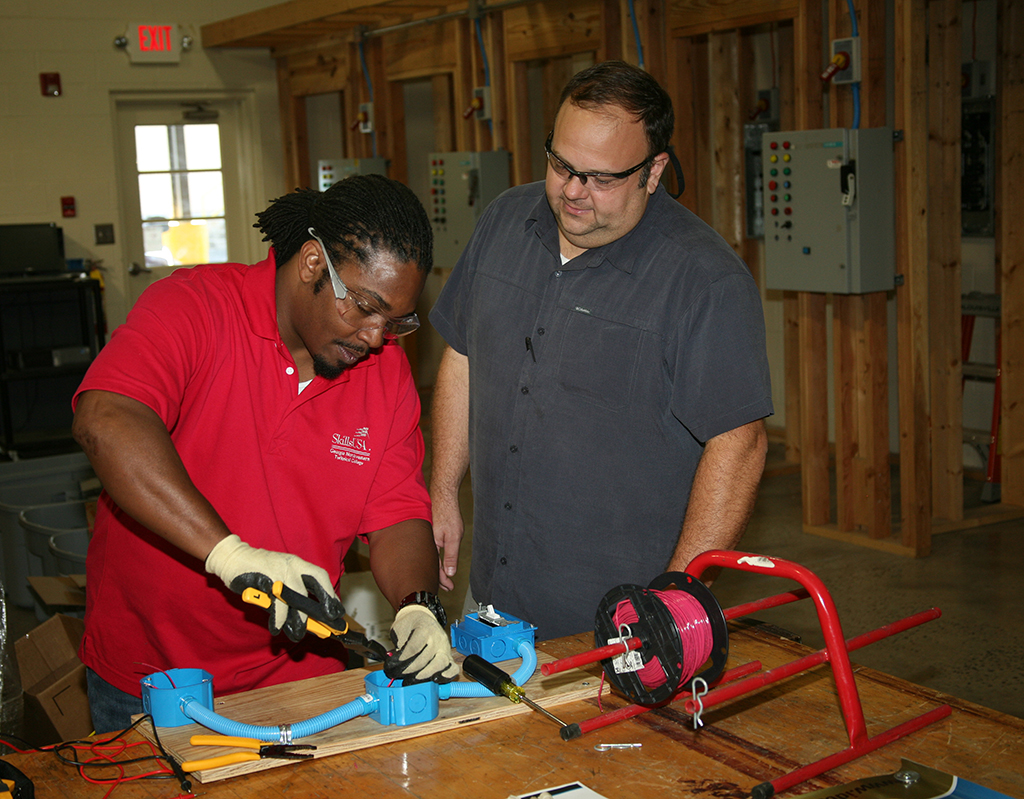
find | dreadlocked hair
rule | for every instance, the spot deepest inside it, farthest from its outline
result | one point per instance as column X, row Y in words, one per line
column 356, row 218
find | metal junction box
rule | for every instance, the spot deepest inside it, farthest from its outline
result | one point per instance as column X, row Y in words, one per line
column 331, row 171
column 461, row 185
column 829, row 210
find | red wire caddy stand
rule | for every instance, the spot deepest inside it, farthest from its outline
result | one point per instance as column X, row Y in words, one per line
column 748, row 678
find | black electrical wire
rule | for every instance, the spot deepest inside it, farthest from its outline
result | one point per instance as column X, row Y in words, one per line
column 178, row 774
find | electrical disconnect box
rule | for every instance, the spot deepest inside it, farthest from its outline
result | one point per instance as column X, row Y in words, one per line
column 754, row 174
column 331, row 171
column 461, row 185
column 829, row 210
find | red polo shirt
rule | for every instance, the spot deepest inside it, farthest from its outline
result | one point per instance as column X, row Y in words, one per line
column 301, row 473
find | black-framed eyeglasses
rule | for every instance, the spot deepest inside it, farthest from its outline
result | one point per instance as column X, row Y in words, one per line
column 602, row 181
column 361, row 312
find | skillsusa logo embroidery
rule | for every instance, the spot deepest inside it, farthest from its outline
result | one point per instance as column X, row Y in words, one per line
column 352, row 449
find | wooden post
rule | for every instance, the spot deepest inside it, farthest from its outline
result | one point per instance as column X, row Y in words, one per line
column 679, row 85
column 444, row 112
column 944, row 259
column 1010, row 242
column 519, row 124
column 911, row 95
column 611, row 26
column 812, row 356
column 727, row 135
column 463, row 80
column 814, row 419
column 293, row 129
column 379, row 142
column 494, row 36
column 701, row 177
column 397, row 153
column 860, row 321
column 653, row 25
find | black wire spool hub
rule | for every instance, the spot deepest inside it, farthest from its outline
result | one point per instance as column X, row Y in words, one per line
column 660, row 637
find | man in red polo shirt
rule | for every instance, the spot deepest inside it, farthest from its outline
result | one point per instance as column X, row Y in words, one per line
column 247, row 423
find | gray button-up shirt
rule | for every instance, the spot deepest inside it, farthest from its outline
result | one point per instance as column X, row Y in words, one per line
column 593, row 386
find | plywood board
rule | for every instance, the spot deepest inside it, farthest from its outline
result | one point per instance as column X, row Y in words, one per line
column 294, row 702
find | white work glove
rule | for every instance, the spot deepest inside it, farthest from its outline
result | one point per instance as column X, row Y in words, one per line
column 422, row 649
column 241, row 566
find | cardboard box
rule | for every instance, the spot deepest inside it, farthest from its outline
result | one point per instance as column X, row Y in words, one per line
column 53, row 679
column 60, row 592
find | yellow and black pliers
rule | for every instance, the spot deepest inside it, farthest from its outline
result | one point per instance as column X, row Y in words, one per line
column 263, row 750
column 315, row 621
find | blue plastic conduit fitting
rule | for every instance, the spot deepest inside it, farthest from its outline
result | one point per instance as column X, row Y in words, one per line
column 357, row 707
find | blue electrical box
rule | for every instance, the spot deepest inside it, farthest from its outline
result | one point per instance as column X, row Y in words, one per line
column 401, row 704
column 492, row 635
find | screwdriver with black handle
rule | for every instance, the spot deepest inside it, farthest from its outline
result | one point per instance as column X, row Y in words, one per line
column 500, row 684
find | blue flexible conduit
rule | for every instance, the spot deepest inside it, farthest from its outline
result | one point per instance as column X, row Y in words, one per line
column 636, row 35
column 483, row 51
column 360, row 706
column 357, row 707
column 856, row 86
column 483, row 58
column 369, row 89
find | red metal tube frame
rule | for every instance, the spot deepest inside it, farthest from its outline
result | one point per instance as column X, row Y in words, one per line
column 725, row 693
column 828, row 618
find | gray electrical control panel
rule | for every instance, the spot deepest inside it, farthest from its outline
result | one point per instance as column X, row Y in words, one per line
column 461, row 184
column 331, row 171
column 829, row 210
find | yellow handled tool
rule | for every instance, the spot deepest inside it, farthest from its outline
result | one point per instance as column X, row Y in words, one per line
column 263, row 750
column 357, row 642
column 500, row 684
column 256, row 597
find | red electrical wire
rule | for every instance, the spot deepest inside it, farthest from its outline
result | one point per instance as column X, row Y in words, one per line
column 693, row 626
column 103, row 753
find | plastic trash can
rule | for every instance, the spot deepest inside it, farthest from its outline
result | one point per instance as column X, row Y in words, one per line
column 69, row 551
column 30, row 483
column 43, row 521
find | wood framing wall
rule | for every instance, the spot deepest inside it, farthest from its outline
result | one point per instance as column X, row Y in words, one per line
column 703, row 54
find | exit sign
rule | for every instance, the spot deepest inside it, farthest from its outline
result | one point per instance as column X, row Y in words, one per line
column 153, row 43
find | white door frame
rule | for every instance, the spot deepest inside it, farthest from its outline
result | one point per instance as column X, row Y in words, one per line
column 240, row 143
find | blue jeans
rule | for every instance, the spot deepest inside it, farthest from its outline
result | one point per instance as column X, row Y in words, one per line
column 112, row 709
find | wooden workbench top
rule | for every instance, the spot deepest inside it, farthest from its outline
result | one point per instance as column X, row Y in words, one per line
column 743, row 743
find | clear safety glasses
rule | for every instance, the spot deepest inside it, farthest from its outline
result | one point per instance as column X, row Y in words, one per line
column 361, row 312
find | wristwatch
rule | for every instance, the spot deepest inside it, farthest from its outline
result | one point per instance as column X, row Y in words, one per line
column 430, row 602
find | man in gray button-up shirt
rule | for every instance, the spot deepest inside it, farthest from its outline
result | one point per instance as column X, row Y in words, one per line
column 606, row 375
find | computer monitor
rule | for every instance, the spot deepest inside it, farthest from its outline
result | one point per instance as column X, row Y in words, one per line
column 32, row 249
